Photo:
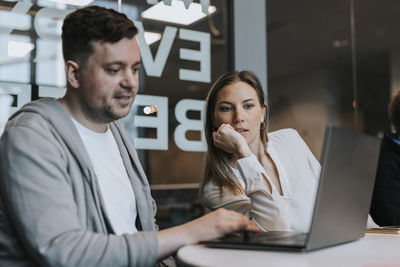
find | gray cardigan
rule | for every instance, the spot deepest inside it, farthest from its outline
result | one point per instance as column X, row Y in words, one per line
column 50, row 204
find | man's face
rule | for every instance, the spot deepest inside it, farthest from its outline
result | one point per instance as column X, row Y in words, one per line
column 109, row 82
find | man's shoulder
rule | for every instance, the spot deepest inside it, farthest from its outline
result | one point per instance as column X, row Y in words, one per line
column 33, row 113
column 40, row 117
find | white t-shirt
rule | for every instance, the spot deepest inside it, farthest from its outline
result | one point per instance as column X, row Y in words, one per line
column 115, row 187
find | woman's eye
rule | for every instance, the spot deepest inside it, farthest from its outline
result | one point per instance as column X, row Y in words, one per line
column 248, row 106
column 224, row 109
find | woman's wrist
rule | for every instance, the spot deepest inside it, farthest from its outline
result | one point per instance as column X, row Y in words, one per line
column 243, row 151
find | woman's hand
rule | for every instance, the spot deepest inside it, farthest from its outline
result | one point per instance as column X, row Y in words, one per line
column 229, row 140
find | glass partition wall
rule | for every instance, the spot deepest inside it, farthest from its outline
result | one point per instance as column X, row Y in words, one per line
column 331, row 62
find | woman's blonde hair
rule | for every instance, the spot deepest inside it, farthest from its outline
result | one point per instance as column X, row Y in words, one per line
column 218, row 167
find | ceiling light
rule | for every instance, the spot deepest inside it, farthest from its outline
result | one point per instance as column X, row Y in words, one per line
column 176, row 12
column 151, row 37
column 19, row 49
column 74, row 2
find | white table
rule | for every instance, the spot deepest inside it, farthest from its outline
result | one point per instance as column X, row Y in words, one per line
column 374, row 250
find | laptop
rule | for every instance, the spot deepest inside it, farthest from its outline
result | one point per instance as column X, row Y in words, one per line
column 349, row 162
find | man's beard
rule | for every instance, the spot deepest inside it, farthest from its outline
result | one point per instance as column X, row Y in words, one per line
column 101, row 115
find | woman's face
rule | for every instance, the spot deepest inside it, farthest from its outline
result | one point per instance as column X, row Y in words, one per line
column 238, row 105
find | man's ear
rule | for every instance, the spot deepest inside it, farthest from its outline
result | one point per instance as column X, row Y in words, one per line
column 72, row 73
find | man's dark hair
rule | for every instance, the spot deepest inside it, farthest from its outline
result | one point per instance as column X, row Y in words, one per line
column 93, row 23
column 394, row 112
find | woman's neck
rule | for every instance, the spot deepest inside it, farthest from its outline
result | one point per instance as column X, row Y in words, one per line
column 258, row 150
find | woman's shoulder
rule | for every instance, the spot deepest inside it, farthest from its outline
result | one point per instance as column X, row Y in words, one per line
column 287, row 140
column 212, row 199
column 210, row 185
column 284, row 135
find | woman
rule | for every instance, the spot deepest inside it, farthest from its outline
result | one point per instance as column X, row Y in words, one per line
column 271, row 178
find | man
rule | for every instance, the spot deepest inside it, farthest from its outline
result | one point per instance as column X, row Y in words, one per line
column 385, row 206
column 72, row 191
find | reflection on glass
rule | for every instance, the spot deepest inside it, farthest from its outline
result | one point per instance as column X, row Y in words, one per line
column 151, row 37
column 49, row 63
column 5, row 105
column 19, row 49
column 74, row 2
column 150, row 109
column 129, row 8
column 11, row 21
column 176, row 12
column 12, row 68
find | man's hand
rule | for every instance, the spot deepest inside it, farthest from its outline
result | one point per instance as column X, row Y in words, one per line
column 209, row 226
column 219, row 223
column 229, row 140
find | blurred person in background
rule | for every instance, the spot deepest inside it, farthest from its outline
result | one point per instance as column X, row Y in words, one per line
column 385, row 205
